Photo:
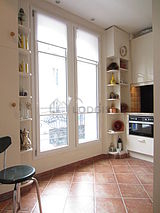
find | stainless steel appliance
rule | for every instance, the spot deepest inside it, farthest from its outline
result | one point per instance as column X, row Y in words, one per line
column 141, row 125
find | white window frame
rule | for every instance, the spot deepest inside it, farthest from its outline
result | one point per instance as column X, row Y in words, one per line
column 87, row 143
column 72, row 90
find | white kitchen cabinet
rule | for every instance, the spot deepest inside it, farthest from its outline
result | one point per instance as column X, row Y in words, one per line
column 139, row 144
column 8, row 23
column 142, row 59
column 114, row 40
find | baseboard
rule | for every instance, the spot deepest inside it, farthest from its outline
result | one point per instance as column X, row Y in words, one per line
column 141, row 156
column 6, row 196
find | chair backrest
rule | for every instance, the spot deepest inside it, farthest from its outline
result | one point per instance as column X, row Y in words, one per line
column 5, row 142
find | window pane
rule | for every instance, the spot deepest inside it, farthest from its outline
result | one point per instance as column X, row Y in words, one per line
column 87, row 127
column 87, row 85
column 51, row 31
column 53, row 131
column 87, row 45
column 52, row 101
column 52, row 82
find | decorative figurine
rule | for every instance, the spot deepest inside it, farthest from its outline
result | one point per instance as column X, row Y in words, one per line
column 21, row 16
column 25, row 140
column 28, row 108
column 112, row 147
column 113, row 81
column 112, row 95
column 113, row 66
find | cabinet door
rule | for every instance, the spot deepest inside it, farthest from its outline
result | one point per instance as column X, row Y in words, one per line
column 9, row 115
column 121, row 39
column 142, row 59
column 8, row 23
column 114, row 39
column 143, row 145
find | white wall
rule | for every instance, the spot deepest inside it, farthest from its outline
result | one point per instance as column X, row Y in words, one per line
column 156, row 62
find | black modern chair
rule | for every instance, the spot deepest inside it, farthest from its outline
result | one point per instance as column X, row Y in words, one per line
column 16, row 175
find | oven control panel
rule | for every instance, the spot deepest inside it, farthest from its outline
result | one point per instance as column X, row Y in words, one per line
column 141, row 118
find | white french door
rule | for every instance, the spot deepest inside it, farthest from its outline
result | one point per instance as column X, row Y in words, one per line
column 58, row 125
column 52, row 93
column 87, row 86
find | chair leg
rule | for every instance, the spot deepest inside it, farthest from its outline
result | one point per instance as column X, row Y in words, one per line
column 38, row 194
column 18, row 196
column 15, row 198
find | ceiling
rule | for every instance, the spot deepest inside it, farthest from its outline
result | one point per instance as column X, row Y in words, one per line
column 130, row 15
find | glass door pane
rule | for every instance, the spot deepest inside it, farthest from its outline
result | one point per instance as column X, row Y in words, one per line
column 87, row 101
column 87, row 127
column 51, row 82
column 87, row 85
column 52, row 101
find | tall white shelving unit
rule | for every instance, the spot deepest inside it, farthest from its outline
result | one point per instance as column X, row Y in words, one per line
column 117, row 92
column 25, row 73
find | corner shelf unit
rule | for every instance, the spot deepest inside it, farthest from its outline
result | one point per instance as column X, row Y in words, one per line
column 112, row 99
column 26, row 151
column 25, row 73
column 25, row 119
column 114, row 113
column 111, row 132
column 25, row 97
column 117, row 92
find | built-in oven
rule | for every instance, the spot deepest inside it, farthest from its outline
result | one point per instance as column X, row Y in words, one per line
column 141, row 125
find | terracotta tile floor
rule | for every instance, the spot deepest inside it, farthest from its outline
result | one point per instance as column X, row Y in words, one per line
column 100, row 186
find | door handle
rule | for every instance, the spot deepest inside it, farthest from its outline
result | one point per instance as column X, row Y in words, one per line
column 141, row 141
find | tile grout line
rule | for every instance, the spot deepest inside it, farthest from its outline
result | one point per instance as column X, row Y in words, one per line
column 5, row 207
column 118, row 187
column 42, row 192
column 94, row 187
column 140, row 183
column 134, row 198
column 69, row 190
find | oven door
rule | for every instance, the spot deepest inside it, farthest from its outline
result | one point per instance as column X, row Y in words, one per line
column 141, row 129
